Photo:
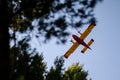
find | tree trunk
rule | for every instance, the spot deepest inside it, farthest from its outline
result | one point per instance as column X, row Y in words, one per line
column 4, row 41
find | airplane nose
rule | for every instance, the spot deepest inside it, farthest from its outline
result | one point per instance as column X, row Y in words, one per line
column 72, row 35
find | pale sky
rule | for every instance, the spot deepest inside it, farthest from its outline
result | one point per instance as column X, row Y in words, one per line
column 102, row 62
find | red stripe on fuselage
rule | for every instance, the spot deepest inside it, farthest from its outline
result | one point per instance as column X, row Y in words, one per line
column 80, row 41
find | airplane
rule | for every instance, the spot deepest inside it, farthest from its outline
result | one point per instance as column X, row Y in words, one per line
column 80, row 40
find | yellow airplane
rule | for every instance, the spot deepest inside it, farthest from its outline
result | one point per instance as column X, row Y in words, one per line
column 80, row 40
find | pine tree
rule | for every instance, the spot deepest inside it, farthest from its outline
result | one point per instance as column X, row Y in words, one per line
column 75, row 72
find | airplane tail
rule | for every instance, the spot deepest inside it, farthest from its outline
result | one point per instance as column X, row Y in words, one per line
column 85, row 48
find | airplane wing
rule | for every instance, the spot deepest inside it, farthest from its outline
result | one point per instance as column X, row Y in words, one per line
column 71, row 50
column 76, row 44
column 87, row 31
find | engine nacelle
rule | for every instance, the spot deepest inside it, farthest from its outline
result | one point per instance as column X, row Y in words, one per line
column 85, row 48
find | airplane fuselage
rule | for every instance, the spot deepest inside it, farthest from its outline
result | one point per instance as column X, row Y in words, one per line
column 80, row 41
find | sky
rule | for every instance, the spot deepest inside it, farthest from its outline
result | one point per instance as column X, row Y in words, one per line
column 102, row 62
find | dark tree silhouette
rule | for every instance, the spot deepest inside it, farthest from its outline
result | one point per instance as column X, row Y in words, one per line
column 4, row 40
column 27, row 63
column 56, row 72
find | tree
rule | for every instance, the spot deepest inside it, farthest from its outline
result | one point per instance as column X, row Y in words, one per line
column 4, row 40
column 27, row 63
column 75, row 72
column 56, row 72
column 53, row 17
column 31, row 66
